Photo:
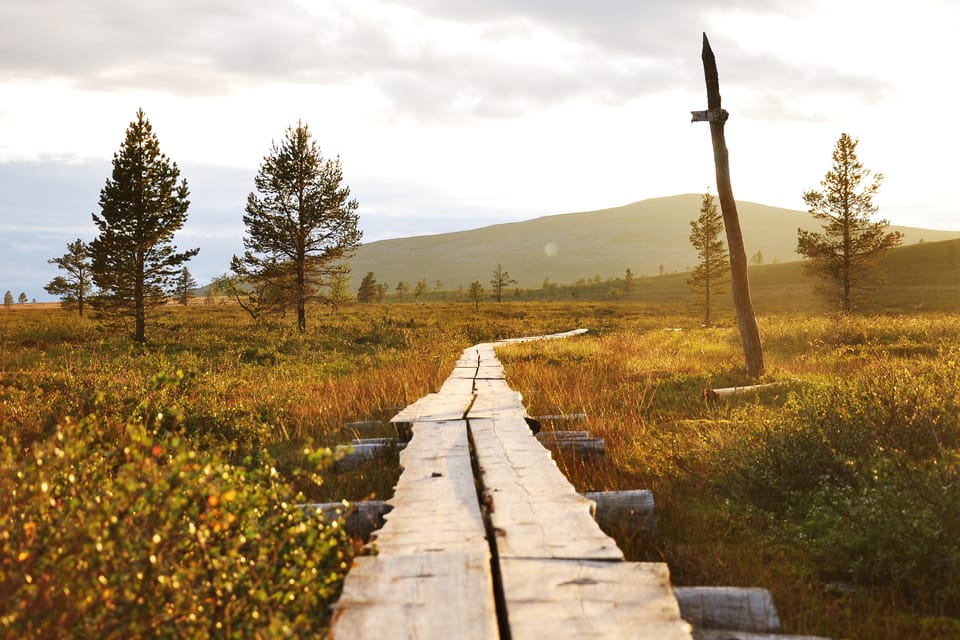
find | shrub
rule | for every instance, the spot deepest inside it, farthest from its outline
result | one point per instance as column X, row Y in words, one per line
column 866, row 472
column 143, row 536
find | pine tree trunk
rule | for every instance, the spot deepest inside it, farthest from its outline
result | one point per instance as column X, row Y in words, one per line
column 139, row 303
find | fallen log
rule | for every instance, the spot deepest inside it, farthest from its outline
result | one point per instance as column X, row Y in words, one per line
column 729, row 392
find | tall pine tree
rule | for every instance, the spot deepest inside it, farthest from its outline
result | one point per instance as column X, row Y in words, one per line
column 301, row 222
column 713, row 272
column 142, row 206
column 846, row 252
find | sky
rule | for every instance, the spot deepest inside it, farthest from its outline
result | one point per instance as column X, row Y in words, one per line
column 451, row 115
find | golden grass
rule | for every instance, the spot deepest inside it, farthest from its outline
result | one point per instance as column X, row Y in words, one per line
column 640, row 375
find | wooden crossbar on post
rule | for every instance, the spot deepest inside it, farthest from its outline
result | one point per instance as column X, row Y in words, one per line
column 488, row 539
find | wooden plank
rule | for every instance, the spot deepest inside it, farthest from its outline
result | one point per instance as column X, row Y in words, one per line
column 582, row 599
column 535, row 511
column 462, row 388
column 552, row 336
column 423, row 596
column 435, row 407
column 435, row 506
column 495, row 398
column 490, row 372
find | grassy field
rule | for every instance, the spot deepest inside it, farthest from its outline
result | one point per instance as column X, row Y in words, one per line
column 837, row 488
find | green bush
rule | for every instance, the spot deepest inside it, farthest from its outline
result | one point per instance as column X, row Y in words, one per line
column 865, row 473
column 109, row 530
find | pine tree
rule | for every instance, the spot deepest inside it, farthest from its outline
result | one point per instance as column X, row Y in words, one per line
column 402, row 288
column 185, row 286
column 420, row 289
column 73, row 288
column 628, row 280
column 338, row 289
column 476, row 293
column 301, row 222
column 368, row 288
column 711, row 275
column 22, row 298
column 142, row 206
column 501, row 279
column 846, row 252
column 8, row 299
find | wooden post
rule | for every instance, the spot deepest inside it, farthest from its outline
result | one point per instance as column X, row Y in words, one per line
column 716, row 116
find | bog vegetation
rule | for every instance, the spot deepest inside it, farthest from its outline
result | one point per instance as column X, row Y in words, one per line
column 150, row 489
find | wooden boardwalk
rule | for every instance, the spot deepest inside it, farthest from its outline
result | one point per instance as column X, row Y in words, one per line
column 487, row 538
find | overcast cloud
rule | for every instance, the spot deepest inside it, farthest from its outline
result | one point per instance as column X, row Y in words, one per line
column 428, row 58
column 452, row 114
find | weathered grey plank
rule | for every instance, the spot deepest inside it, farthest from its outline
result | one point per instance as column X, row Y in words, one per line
column 490, row 372
column 423, row 596
column 435, row 505
column 552, row 336
column 535, row 510
column 435, row 407
column 582, row 599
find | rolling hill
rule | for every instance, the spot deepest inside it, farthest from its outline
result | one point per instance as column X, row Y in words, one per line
column 640, row 236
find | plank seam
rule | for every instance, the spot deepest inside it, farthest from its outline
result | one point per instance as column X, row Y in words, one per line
column 499, row 594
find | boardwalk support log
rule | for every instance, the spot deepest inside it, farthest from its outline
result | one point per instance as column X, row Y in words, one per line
column 360, row 519
column 734, row 608
column 631, row 510
column 362, row 450
column 579, row 443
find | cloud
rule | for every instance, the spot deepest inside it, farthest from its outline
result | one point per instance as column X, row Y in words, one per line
column 429, row 59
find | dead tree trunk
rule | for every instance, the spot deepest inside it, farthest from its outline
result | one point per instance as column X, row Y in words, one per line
column 716, row 116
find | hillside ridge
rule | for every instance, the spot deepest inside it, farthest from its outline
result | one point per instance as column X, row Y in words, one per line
column 648, row 237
